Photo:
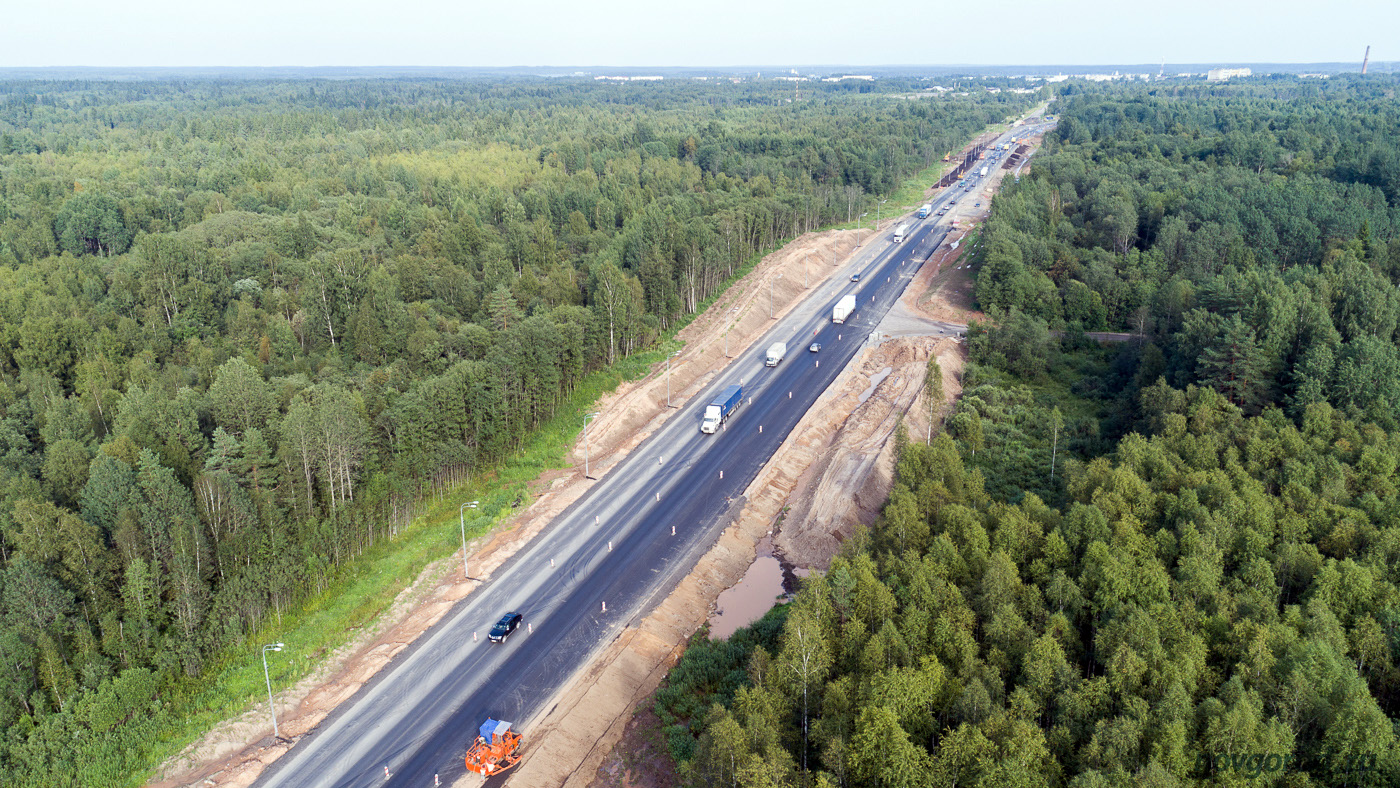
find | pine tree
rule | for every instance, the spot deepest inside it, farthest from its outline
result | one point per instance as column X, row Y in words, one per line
column 1234, row 365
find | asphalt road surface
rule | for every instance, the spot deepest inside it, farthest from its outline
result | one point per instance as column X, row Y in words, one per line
column 614, row 546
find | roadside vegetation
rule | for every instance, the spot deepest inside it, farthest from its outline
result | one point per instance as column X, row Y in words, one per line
column 1174, row 561
column 253, row 335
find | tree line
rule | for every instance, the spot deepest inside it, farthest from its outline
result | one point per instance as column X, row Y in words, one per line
column 1252, row 232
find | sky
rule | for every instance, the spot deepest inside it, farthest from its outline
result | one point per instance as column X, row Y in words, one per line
column 636, row 33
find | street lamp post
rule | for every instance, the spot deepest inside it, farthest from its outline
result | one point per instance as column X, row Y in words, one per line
column 726, row 333
column 462, row 520
column 668, row 377
column 586, row 417
column 877, row 214
column 268, row 679
column 770, row 296
column 861, row 220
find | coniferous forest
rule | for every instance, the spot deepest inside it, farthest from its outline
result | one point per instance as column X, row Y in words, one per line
column 1169, row 561
column 248, row 327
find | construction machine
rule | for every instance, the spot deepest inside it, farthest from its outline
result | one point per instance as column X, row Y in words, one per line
column 496, row 749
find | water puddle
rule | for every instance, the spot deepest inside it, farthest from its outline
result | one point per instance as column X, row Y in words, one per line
column 755, row 594
column 875, row 380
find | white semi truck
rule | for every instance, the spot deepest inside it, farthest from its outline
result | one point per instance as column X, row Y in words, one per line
column 901, row 232
column 776, row 352
column 843, row 308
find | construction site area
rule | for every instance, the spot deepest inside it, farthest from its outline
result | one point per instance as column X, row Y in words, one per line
column 832, row 473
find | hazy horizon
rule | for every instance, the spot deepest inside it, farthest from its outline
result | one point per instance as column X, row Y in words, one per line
column 726, row 34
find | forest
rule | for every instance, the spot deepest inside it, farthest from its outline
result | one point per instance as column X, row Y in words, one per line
column 248, row 327
column 1168, row 562
column 1252, row 231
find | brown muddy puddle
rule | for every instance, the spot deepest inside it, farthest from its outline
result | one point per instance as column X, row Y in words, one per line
column 875, row 380
column 755, row 594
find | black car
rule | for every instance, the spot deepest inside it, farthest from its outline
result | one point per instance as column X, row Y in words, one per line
column 508, row 624
column 855, row 277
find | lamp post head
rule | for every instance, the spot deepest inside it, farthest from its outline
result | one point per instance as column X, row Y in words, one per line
column 273, row 647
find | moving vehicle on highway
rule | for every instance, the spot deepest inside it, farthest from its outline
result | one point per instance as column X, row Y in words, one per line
column 719, row 410
column 855, row 277
column 815, row 347
column 508, row 624
column 901, row 232
column 925, row 210
column 776, row 352
column 843, row 308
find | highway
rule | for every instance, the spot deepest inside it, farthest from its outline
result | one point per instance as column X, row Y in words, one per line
column 614, row 546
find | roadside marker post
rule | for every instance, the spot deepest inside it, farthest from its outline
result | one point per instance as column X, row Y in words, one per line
column 760, row 429
column 609, row 545
column 551, row 563
column 789, row 395
column 721, row 474
column 605, row 607
column 673, row 530
column 386, row 772
column 474, row 637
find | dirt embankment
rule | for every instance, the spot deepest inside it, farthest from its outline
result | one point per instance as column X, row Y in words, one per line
column 844, row 463
column 235, row 752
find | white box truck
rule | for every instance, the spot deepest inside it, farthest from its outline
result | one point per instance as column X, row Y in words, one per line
column 776, row 351
column 984, row 172
column 901, row 232
column 844, row 308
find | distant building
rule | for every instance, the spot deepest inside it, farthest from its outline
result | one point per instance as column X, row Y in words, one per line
column 1057, row 78
column 631, row 79
column 1222, row 74
column 865, row 77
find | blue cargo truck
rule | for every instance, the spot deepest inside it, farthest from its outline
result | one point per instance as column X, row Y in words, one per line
column 717, row 411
